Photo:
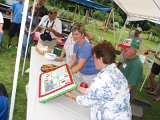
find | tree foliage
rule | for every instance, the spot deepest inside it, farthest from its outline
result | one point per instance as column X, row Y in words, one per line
column 120, row 16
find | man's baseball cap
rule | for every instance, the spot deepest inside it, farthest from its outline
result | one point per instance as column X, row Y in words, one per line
column 53, row 9
column 129, row 43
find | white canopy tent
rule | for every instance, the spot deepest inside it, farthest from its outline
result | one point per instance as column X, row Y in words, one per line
column 139, row 10
column 135, row 9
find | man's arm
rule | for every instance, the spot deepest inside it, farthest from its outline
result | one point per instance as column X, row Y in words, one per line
column 54, row 32
column 1, row 28
column 40, row 26
column 11, row 16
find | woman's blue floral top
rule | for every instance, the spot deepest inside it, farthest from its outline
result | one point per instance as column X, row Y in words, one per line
column 108, row 96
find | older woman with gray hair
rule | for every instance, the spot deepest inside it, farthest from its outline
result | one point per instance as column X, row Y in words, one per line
column 108, row 95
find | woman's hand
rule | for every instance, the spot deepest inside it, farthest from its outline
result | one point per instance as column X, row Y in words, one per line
column 82, row 90
column 69, row 94
column 59, row 59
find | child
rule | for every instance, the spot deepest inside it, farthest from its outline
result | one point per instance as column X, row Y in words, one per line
column 15, row 19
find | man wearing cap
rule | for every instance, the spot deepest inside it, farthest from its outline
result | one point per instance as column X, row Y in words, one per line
column 52, row 25
column 131, row 67
column 135, row 36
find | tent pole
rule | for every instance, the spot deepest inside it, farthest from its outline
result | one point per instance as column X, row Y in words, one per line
column 15, row 80
column 76, row 7
column 86, row 16
column 107, row 21
column 114, row 29
column 121, row 33
column 149, row 70
column 34, row 4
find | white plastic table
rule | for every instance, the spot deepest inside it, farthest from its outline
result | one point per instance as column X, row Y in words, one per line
column 60, row 108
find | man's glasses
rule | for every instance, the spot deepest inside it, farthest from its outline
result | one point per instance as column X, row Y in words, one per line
column 50, row 12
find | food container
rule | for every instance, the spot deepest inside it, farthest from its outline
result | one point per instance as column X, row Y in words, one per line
column 50, row 56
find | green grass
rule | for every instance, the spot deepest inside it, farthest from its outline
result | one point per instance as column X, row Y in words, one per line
column 7, row 64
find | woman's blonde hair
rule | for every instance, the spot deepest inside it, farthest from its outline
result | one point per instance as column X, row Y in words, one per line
column 79, row 27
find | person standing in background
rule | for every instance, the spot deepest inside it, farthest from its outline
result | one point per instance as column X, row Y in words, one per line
column 42, row 10
column 34, row 28
column 136, row 35
column 16, row 10
column 1, row 29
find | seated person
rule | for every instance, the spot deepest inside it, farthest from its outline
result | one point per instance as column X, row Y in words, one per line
column 3, row 103
column 131, row 67
column 82, row 63
column 136, row 36
column 108, row 95
column 68, row 47
column 51, row 25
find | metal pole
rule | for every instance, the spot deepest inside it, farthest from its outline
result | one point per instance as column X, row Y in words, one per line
column 121, row 33
column 15, row 80
column 76, row 7
column 114, row 30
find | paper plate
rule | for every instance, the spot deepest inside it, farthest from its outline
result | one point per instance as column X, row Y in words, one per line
column 50, row 56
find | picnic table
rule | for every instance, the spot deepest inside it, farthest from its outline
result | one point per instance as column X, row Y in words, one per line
column 60, row 108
